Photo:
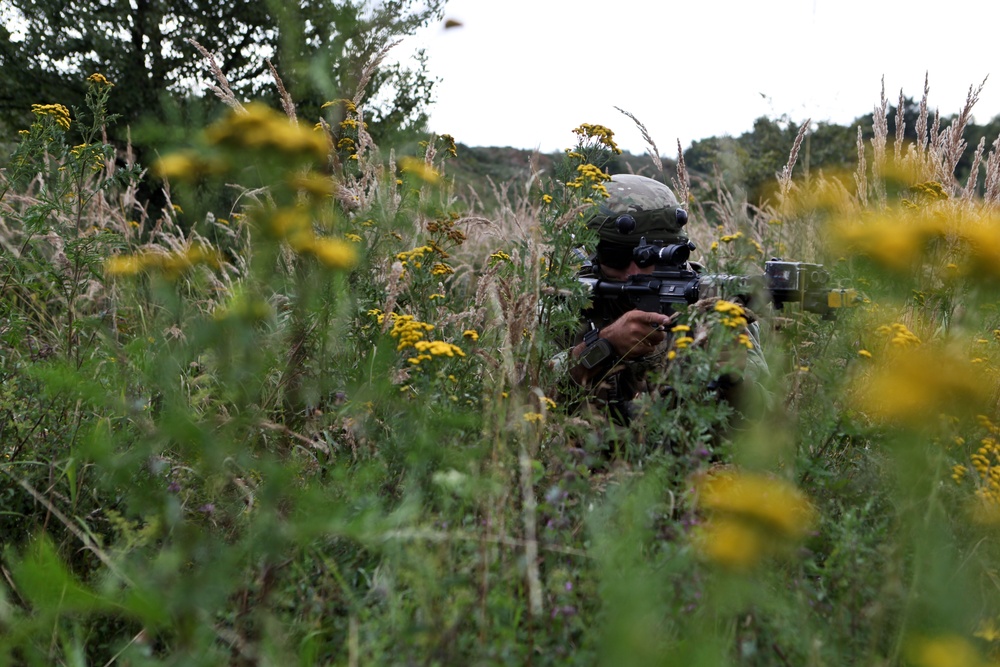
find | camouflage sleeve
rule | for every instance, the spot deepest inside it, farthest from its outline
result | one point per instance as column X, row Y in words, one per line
column 757, row 398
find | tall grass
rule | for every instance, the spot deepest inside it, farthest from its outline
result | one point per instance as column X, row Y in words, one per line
column 325, row 426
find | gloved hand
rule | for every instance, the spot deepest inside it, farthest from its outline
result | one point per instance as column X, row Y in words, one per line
column 637, row 333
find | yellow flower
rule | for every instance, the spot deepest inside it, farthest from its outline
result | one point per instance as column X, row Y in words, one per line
column 917, row 384
column 773, row 502
column 534, row 417
column 312, row 183
column 187, row 166
column 987, row 630
column 442, row 269
column 439, row 348
column 123, row 265
column 682, row 342
column 58, row 112
column 99, row 80
column 500, row 256
column 943, row 651
column 286, row 222
column 603, row 135
column 547, row 199
column 263, row 128
column 730, row 543
column 750, row 516
column 865, row 353
column 334, row 254
column 894, row 241
column 420, row 169
column 471, row 334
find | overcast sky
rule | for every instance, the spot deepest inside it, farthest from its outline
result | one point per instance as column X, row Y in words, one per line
column 524, row 73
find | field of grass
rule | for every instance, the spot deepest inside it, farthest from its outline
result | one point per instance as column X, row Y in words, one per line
column 322, row 425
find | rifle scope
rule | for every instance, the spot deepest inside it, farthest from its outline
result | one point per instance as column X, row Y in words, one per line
column 672, row 254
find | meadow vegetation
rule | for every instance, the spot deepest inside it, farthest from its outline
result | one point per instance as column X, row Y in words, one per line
column 321, row 425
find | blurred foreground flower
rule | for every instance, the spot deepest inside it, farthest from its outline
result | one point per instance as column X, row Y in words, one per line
column 188, row 166
column 332, row 253
column 918, row 385
column 750, row 516
column 171, row 265
column 263, row 128
column 943, row 651
column 896, row 242
column 420, row 169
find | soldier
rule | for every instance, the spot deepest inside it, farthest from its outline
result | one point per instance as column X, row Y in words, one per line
column 619, row 345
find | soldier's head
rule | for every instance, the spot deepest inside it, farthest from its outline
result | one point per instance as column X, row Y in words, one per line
column 637, row 207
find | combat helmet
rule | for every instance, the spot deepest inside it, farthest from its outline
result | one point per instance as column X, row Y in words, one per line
column 638, row 207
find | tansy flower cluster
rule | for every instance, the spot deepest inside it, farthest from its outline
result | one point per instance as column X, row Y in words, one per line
column 445, row 228
column 441, row 269
column 733, row 314
column 99, row 80
column 986, row 462
column 428, row 349
column 590, row 176
column 407, row 330
column 925, row 193
column 603, row 135
column 449, row 144
column 414, row 257
column 899, row 335
column 499, row 256
column 92, row 158
column 56, row 112
column 410, row 332
column 750, row 516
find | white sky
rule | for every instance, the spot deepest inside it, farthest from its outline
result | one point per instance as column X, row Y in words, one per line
column 524, row 73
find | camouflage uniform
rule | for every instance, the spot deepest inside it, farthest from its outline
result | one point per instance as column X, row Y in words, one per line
column 659, row 219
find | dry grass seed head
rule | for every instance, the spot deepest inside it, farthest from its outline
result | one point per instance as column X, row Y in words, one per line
column 223, row 91
column 286, row 100
column 653, row 151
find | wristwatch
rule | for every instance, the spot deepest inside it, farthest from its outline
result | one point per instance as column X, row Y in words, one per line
column 598, row 349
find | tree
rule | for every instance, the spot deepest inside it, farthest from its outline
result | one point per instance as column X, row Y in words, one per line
column 321, row 48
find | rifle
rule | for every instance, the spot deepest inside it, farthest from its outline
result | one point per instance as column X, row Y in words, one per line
column 674, row 282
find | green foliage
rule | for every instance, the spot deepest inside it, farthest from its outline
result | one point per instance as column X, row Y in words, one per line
column 329, row 424
column 321, row 48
